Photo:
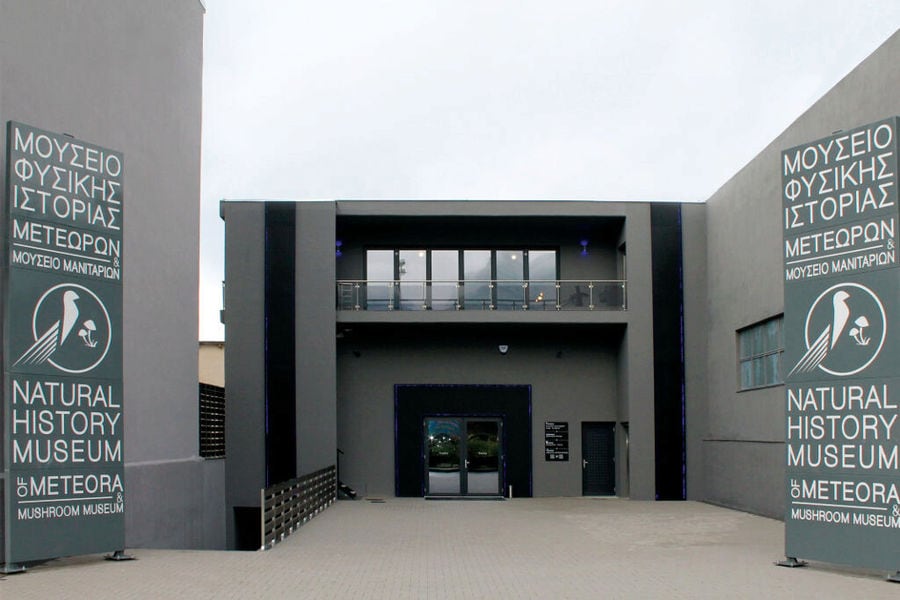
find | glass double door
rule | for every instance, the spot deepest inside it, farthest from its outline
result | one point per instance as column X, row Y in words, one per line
column 463, row 456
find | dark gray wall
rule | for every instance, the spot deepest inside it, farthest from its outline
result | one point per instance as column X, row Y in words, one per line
column 245, row 350
column 694, row 281
column 244, row 356
column 571, row 371
column 315, row 338
column 127, row 75
column 637, row 383
column 627, row 223
column 615, row 339
column 743, row 445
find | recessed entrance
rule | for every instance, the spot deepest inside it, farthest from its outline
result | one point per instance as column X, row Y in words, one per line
column 463, row 457
column 487, row 425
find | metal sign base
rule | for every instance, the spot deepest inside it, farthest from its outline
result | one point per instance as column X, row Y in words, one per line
column 119, row 555
column 11, row 568
column 791, row 562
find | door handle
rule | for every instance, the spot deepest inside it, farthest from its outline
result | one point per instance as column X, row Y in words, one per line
column 467, row 463
column 584, row 464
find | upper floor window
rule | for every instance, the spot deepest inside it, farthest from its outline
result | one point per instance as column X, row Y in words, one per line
column 416, row 279
column 761, row 351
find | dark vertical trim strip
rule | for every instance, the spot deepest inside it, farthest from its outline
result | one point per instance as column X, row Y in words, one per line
column 668, row 351
column 280, row 375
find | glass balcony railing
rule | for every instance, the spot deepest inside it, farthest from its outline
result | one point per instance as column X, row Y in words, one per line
column 556, row 295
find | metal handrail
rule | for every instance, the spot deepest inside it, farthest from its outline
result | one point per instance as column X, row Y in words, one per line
column 490, row 294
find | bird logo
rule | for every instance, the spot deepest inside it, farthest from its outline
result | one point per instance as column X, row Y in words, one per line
column 48, row 343
column 829, row 346
column 57, row 313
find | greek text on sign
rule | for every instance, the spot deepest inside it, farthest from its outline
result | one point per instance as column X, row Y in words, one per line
column 840, row 204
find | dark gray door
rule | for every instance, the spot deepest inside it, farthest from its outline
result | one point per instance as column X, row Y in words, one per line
column 598, row 459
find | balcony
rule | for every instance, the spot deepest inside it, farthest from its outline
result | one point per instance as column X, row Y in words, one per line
column 482, row 295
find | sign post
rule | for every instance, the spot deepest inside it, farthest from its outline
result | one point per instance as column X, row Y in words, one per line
column 63, row 406
column 842, row 348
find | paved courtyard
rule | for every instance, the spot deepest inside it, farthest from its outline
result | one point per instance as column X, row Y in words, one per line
column 523, row 548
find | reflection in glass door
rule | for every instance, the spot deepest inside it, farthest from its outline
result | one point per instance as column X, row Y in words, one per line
column 510, row 280
column 445, row 279
column 412, row 273
column 477, row 275
column 380, row 280
column 542, row 279
column 442, row 441
column 482, row 457
column 478, row 441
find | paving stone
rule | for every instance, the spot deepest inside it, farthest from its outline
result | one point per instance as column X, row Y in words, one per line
column 521, row 548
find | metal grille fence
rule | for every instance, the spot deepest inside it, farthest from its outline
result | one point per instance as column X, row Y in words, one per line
column 212, row 421
column 288, row 505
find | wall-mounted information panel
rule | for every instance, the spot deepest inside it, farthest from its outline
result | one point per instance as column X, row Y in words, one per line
column 556, row 441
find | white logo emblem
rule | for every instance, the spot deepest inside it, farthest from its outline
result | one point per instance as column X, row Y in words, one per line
column 845, row 329
column 71, row 328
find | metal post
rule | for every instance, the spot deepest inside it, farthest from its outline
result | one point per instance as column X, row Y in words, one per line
column 262, row 518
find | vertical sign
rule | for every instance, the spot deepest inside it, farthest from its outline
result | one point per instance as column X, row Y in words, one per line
column 63, row 419
column 556, row 441
column 842, row 348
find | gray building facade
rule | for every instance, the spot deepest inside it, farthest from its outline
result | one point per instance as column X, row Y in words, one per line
column 127, row 75
column 736, row 437
column 686, row 370
column 353, row 324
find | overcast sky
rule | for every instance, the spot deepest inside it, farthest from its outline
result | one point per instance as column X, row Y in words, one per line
column 503, row 99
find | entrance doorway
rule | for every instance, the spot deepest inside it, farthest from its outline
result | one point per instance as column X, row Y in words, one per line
column 463, row 456
column 598, row 459
column 509, row 405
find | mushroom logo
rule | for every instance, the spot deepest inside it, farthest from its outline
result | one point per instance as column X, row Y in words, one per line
column 85, row 333
column 857, row 332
